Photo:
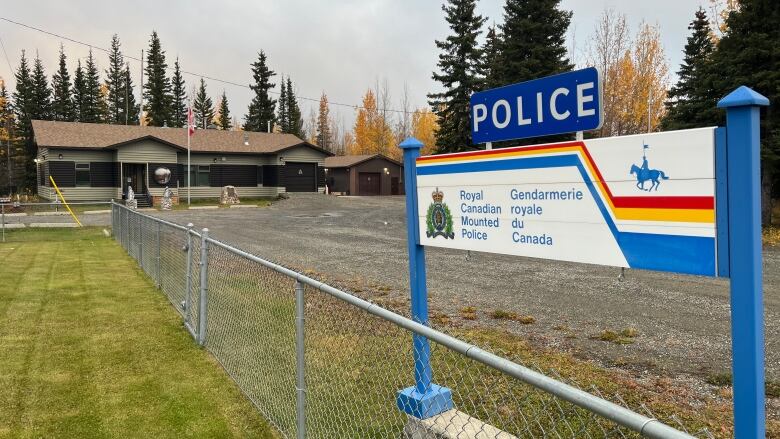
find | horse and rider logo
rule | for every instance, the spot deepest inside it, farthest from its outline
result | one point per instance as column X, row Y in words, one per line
column 644, row 173
column 438, row 220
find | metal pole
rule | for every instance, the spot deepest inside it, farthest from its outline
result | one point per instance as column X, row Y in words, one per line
column 188, row 281
column 425, row 399
column 204, row 281
column 3, row 220
column 743, row 145
column 300, row 360
column 140, row 243
column 141, row 116
column 159, row 244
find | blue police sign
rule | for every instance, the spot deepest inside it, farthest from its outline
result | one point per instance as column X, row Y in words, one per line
column 557, row 104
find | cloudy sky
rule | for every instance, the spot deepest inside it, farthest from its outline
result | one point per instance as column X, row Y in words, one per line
column 340, row 47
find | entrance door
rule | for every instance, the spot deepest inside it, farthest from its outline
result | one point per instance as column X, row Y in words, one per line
column 394, row 186
column 134, row 174
column 368, row 183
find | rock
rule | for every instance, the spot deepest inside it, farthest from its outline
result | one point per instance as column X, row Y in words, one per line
column 229, row 196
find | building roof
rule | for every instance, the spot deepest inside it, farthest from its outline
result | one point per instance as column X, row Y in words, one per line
column 51, row 134
column 346, row 161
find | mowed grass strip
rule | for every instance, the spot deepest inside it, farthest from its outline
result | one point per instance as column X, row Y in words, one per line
column 89, row 348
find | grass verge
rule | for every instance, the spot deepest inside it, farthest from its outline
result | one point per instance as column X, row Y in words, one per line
column 88, row 348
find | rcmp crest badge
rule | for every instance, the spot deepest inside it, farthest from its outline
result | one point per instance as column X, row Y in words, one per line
column 438, row 220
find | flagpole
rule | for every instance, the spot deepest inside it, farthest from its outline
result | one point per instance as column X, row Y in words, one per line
column 189, row 168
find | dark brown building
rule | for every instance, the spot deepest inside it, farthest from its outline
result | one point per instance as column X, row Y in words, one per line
column 364, row 175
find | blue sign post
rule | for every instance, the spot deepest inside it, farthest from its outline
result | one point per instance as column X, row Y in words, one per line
column 558, row 104
column 744, row 218
column 425, row 399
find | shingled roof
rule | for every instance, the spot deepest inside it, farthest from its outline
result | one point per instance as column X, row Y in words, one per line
column 50, row 134
column 345, row 161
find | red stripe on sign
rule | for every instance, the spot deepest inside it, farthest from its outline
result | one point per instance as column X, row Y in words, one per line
column 707, row 203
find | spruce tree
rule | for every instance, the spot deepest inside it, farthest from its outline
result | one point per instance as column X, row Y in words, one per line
column 692, row 101
column 749, row 54
column 93, row 105
column 79, row 93
column 223, row 119
column 132, row 108
column 62, row 100
column 261, row 108
column 324, row 136
column 115, row 83
column 179, row 98
column 459, row 75
column 294, row 119
column 490, row 58
column 41, row 92
column 534, row 41
column 282, row 117
column 157, row 89
column 25, row 111
column 203, row 107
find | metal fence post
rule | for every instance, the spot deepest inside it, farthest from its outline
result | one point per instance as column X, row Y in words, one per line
column 141, row 242
column 188, row 280
column 204, row 281
column 3, row 220
column 744, row 211
column 159, row 245
column 300, row 361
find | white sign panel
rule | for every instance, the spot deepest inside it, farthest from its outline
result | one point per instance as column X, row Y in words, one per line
column 645, row 201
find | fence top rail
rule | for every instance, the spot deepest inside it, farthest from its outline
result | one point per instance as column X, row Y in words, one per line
column 55, row 204
column 155, row 219
column 648, row 427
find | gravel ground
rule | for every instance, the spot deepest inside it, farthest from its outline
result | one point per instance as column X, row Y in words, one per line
column 683, row 321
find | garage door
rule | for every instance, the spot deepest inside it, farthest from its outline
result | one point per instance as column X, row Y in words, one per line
column 300, row 177
column 368, row 183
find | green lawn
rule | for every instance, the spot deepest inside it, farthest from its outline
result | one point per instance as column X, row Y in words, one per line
column 89, row 348
column 260, row 202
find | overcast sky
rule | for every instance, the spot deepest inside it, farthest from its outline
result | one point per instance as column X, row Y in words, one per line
column 340, row 47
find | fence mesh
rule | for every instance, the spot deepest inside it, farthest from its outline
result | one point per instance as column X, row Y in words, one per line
column 355, row 362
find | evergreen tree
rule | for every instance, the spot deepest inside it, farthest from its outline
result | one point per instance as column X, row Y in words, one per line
column 692, row 101
column 294, row 118
column 93, row 104
column 25, row 111
column 491, row 58
column 533, row 45
column 62, row 101
column 133, row 111
column 179, row 98
column 115, row 83
column 282, row 117
column 261, row 108
column 157, row 89
column 459, row 74
column 203, row 107
column 223, row 119
column 749, row 54
column 41, row 92
column 79, row 93
column 534, row 41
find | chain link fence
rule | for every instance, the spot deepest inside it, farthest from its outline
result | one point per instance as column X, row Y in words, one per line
column 319, row 362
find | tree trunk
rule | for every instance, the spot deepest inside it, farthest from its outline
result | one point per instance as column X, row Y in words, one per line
column 767, row 177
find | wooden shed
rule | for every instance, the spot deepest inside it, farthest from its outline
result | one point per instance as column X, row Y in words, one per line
column 373, row 174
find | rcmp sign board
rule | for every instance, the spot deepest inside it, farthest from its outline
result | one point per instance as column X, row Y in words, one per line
column 644, row 201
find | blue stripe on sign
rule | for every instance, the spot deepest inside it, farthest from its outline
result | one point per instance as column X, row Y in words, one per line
column 681, row 254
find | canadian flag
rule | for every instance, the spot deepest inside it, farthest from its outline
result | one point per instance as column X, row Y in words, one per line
column 190, row 122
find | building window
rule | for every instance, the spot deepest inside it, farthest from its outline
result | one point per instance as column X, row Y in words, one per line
column 200, row 175
column 82, row 174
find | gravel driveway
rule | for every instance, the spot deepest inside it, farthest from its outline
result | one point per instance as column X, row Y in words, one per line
column 683, row 321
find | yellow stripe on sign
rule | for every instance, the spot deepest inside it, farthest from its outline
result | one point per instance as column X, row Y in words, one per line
column 672, row 215
column 64, row 202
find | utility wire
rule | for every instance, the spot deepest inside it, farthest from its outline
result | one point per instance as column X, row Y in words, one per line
column 8, row 60
column 211, row 78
